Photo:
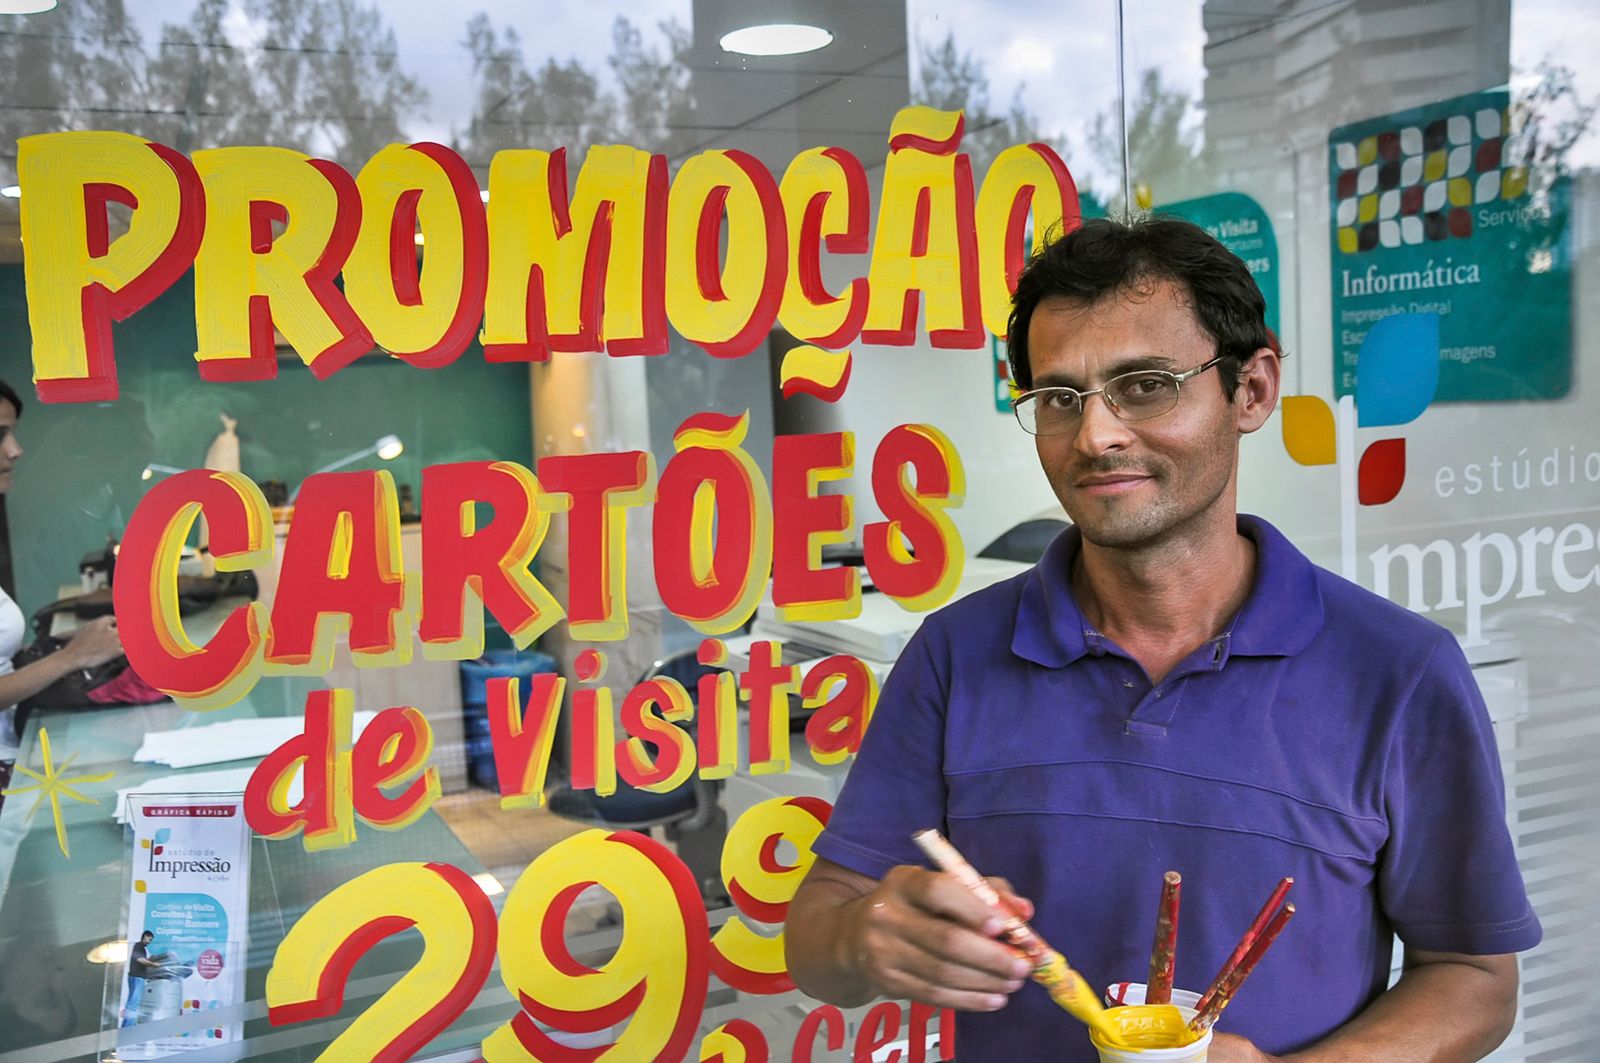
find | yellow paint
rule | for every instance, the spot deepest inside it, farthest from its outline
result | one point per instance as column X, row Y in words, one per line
column 544, row 610
column 698, row 318
column 654, row 950
column 736, row 940
column 613, row 627
column 1013, row 171
column 720, row 1046
column 935, row 506
column 339, row 782
column 730, row 438
column 895, row 271
column 227, row 272
column 823, row 368
column 678, row 707
column 331, row 628
column 1141, row 1026
column 52, row 785
column 163, row 597
column 411, row 890
column 850, row 605
column 368, row 279
column 53, row 170
column 1308, row 430
column 812, row 173
column 613, row 181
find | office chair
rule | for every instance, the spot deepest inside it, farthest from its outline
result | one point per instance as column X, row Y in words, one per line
column 1024, row 542
column 690, row 815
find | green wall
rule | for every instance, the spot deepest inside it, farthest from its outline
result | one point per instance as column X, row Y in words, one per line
column 79, row 480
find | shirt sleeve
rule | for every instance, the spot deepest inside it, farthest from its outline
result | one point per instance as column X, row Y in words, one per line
column 896, row 786
column 1448, row 877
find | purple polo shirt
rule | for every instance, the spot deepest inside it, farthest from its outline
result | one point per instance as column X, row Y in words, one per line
column 1327, row 734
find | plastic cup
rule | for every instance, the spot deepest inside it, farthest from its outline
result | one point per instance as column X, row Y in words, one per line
column 1141, row 1027
column 1118, row 993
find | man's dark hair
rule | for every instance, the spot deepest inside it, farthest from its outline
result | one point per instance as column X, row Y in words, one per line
column 147, row 934
column 8, row 393
column 1102, row 257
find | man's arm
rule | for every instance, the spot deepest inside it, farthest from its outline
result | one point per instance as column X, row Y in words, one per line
column 1448, row 1007
column 916, row 935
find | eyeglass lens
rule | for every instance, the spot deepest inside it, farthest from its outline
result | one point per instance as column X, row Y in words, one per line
column 1132, row 397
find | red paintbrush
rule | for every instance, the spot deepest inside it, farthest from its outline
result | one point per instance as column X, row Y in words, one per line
column 1164, row 953
column 1204, row 1019
column 1268, row 910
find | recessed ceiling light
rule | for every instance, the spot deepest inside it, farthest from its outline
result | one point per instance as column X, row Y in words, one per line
column 25, row 7
column 110, row 952
column 11, row 191
column 779, row 38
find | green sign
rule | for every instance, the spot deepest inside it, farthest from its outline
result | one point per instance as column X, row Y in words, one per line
column 1243, row 228
column 1233, row 218
column 1431, row 216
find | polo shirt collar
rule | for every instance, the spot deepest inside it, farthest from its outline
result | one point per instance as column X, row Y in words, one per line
column 1279, row 619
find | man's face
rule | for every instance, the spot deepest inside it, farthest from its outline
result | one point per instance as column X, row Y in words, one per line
column 1131, row 484
column 146, row 937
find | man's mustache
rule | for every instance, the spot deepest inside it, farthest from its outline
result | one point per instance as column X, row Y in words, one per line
column 1111, row 466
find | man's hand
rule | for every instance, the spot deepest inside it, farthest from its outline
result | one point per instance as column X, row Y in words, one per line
column 95, row 643
column 1231, row 1048
column 921, row 935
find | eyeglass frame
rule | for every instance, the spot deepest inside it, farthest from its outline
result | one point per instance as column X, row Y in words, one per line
column 1177, row 383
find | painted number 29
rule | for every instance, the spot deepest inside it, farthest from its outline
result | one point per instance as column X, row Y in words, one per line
column 653, row 987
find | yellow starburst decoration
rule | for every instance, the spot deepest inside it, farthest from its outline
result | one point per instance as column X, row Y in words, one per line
column 54, row 784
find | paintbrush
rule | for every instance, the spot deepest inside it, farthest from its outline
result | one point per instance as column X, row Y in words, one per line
column 1065, row 986
column 1164, row 953
column 1257, row 925
column 1223, row 996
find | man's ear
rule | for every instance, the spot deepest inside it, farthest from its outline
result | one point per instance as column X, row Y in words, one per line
column 1257, row 395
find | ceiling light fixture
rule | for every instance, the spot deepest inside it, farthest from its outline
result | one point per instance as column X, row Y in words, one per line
column 778, row 38
column 11, row 191
column 25, row 7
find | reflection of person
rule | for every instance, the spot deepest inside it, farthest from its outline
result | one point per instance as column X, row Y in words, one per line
column 1173, row 686
column 95, row 642
column 141, row 968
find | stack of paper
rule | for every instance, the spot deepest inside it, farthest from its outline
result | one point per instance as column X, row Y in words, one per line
column 219, row 743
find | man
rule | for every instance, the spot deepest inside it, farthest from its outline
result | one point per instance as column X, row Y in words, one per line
column 1173, row 686
column 141, row 967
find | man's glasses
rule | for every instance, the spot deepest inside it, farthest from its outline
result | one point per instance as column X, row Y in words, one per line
column 1136, row 396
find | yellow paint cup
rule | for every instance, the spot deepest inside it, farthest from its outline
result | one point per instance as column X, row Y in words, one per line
column 1157, row 1033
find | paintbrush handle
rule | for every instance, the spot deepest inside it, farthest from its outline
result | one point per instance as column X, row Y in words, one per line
column 1242, row 949
column 1164, row 953
column 1016, row 932
column 1204, row 1020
